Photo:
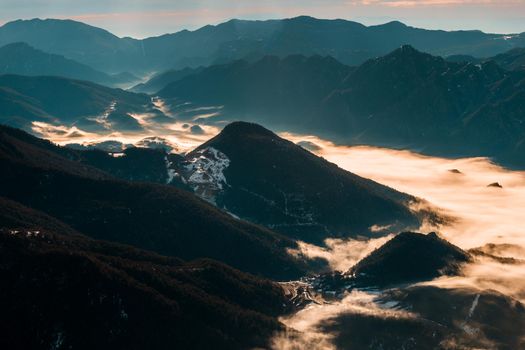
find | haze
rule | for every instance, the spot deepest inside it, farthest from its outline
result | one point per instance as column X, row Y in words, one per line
column 140, row 18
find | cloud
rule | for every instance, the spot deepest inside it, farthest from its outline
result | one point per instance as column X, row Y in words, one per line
column 341, row 254
column 309, row 321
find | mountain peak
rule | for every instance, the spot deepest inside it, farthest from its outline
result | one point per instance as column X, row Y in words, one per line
column 410, row 256
column 408, row 50
column 407, row 54
column 303, row 18
column 395, row 24
column 240, row 128
column 239, row 134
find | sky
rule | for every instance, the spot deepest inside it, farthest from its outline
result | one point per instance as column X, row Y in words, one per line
column 143, row 18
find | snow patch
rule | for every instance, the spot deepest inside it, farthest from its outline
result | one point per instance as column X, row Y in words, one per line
column 117, row 154
column 204, row 172
column 466, row 328
column 170, row 171
column 473, row 306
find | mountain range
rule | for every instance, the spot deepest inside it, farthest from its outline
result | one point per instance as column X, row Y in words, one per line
column 406, row 99
column 349, row 42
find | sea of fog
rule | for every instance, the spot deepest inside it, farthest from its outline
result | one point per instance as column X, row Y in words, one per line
column 459, row 188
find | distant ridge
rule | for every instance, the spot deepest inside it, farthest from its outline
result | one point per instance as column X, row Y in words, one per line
column 20, row 58
column 405, row 99
column 349, row 42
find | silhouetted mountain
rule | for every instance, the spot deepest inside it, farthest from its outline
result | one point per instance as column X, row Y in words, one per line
column 22, row 59
column 155, row 217
column 76, row 292
column 349, row 42
column 405, row 99
column 62, row 101
column 258, row 176
column 409, row 257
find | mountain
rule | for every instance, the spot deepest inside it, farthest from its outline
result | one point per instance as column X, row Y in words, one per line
column 268, row 90
column 66, row 290
column 349, row 42
column 156, row 217
column 62, row 101
column 83, row 43
column 417, row 100
column 258, row 176
column 406, row 99
column 161, row 80
column 409, row 257
column 22, row 59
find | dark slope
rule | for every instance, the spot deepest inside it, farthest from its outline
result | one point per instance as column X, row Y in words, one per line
column 65, row 290
column 409, row 257
column 154, row 217
column 350, row 42
column 272, row 181
column 22, row 59
column 134, row 164
column 66, row 102
column 16, row 217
